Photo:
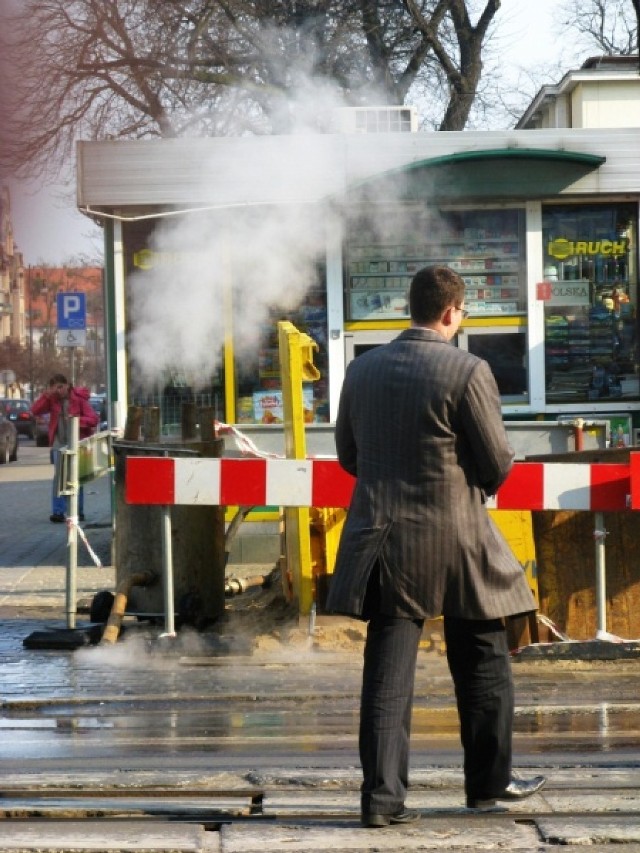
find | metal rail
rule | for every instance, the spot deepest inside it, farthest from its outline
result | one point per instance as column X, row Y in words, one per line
column 75, row 805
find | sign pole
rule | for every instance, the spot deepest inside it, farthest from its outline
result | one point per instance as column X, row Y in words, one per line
column 72, row 521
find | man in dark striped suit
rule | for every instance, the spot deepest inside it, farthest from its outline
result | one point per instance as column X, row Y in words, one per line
column 420, row 427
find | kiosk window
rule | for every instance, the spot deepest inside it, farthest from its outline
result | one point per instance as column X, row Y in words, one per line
column 386, row 246
column 505, row 349
column 258, row 381
column 507, row 357
column 590, row 294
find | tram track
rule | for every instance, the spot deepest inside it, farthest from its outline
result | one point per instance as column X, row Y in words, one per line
column 214, row 807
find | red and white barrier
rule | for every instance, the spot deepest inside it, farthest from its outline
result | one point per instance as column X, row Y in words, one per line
column 163, row 480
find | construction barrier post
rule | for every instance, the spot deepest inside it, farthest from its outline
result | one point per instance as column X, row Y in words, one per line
column 599, row 534
column 296, row 366
column 72, row 523
column 596, row 487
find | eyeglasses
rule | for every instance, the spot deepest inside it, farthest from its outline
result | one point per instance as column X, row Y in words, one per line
column 463, row 311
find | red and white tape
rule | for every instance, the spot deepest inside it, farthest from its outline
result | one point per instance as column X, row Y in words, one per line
column 72, row 521
column 243, row 442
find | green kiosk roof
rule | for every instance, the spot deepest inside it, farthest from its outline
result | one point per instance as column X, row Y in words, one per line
column 524, row 173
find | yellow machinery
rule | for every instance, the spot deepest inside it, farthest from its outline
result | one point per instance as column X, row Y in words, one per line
column 517, row 529
column 296, row 366
column 312, row 535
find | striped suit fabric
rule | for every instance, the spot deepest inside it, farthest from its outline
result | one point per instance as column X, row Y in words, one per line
column 419, row 425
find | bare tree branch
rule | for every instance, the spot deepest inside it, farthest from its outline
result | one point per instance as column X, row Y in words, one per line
column 99, row 69
column 610, row 26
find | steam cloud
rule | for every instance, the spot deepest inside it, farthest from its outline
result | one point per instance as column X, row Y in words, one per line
column 216, row 267
column 257, row 257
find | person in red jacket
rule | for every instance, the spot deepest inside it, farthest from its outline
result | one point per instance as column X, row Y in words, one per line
column 62, row 401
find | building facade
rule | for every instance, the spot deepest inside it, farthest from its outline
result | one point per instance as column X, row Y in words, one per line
column 12, row 296
column 542, row 223
column 604, row 92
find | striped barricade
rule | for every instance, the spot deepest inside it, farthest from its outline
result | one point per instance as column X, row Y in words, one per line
column 596, row 487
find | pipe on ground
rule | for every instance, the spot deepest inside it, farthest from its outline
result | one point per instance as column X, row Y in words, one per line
column 235, row 586
column 123, row 590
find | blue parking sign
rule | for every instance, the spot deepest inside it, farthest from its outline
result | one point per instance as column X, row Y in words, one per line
column 72, row 310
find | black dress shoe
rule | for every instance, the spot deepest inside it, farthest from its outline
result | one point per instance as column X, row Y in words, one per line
column 517, row 789
column 375, row 820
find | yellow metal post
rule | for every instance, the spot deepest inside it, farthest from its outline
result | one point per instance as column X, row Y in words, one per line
column 296, row 366
column 517, row 529
column 228, row 354
column 326, row 530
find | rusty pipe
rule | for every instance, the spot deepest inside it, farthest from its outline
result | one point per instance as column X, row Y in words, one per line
column 234, row 586
column 233, row 528
column 123, row 590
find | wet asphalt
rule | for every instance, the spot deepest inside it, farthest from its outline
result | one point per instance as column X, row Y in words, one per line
column 211, row 742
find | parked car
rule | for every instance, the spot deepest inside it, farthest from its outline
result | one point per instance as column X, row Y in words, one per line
column 98, row 403
column 42, row 430
column 19, row 413
column 8, row 440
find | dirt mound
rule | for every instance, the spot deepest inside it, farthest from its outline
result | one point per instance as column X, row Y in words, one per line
column 266, row 621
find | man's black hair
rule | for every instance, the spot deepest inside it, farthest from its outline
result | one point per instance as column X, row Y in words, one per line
column 432, row 291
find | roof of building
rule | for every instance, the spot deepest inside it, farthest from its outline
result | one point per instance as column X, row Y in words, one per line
column 154, row 178
column 596, row 68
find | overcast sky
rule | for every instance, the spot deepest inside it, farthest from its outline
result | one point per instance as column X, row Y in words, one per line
column 49, row 229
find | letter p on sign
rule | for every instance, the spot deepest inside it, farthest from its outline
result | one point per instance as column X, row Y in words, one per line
column 72, row 313
column 71, row 305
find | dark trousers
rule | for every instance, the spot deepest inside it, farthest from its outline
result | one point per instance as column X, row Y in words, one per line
column 478, row 656
column 479, row 663
column 388, row 675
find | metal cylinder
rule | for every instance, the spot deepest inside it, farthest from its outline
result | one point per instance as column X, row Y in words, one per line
column 151, row 424
column 206, row 419
column 197, row 538
column 188, row 421
column 133, row 425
